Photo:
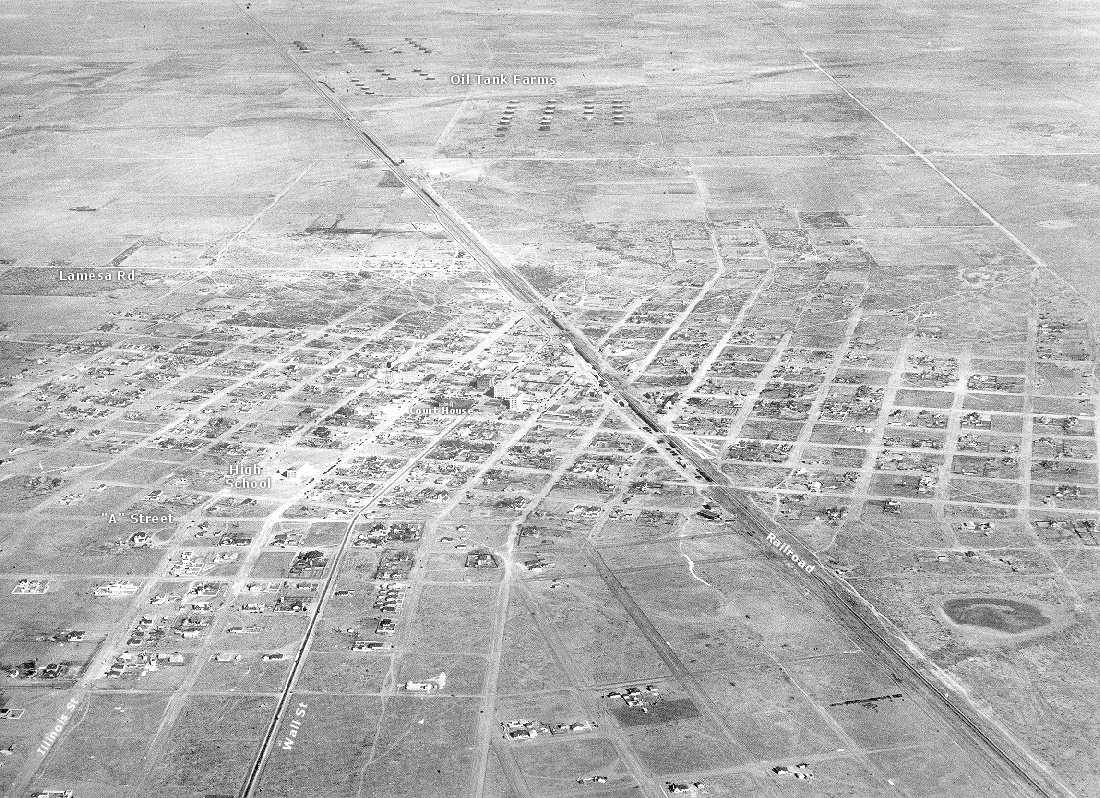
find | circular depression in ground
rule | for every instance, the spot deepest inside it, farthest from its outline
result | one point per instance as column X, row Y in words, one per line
column 998, row 614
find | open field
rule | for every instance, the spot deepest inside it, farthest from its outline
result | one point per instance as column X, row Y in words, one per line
column 455, row 401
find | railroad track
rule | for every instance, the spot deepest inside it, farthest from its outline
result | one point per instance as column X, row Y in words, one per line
column 879, row 635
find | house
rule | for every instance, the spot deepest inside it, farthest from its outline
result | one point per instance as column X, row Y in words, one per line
column 685, row 788
column 285, row 604
column 308, row 561
column 116, row 589
column 566, row 728
column 480, row 560
column 141, row 540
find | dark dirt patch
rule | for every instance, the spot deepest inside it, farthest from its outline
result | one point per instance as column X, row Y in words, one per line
column 1002, row 615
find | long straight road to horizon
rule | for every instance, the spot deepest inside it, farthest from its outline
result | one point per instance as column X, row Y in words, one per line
column 599, row 400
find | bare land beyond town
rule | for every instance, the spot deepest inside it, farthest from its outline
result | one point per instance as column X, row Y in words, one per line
column 613, row 400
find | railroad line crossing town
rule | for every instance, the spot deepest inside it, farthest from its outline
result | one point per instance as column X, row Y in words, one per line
column 466, row 400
